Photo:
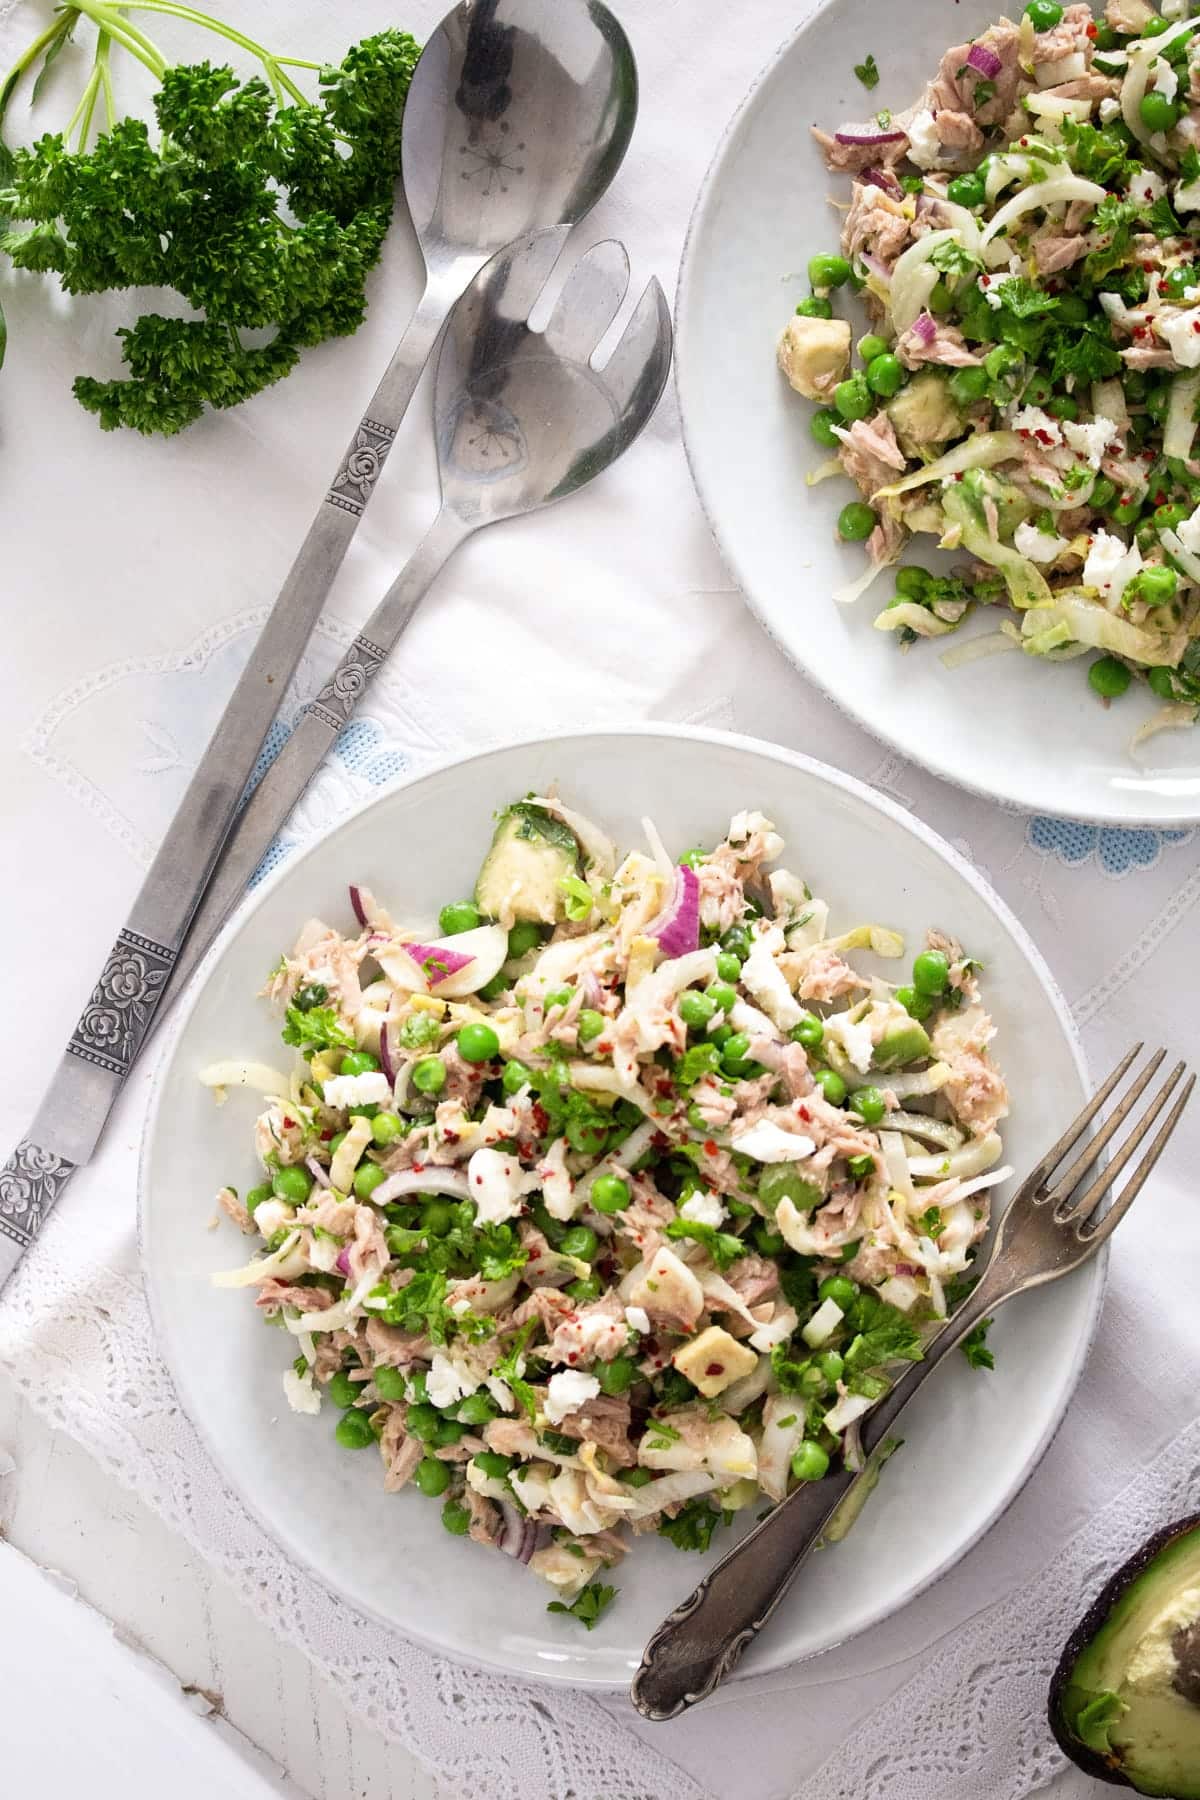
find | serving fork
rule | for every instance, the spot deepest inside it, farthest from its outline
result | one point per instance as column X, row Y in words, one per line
column 1051, row 1227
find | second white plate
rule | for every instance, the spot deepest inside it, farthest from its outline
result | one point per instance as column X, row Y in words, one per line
column 1009, row 726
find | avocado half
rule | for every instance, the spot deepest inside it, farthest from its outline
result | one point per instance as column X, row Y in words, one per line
column 1125, row 1698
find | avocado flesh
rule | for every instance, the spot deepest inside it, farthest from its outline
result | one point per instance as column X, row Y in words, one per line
column 1147, row 1654
column 531, row 853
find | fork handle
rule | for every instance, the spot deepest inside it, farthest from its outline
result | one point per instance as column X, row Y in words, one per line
column 702, row 1641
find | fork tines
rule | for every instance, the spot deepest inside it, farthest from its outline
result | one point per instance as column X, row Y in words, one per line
column 1072, row 1206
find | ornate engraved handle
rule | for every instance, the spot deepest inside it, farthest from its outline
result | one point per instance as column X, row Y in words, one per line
column 30, row 1182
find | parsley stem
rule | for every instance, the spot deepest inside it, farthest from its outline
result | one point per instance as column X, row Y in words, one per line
column 59, row 29
column 102, row 51
column 195, row 17
column 122, row 32
column 82, row 116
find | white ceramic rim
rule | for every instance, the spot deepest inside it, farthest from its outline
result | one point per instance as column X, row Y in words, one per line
column 650, row 728
column 844, row 700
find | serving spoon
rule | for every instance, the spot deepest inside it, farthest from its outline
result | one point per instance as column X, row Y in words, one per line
column 521, row 418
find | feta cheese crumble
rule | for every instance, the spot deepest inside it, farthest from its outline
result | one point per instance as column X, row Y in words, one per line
column 370, row 1089
column 568, row 1390
column 1039, row 546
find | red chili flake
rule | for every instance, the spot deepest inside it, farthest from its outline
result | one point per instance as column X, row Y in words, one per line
column 958, row 477
column 715, row 1369
column 1159, row 500
column 326, row 1135
column 418, row 1168
column 1043, row 437
column 604, row 1049
column 710, row 1149
column 478, row 1181
column 803, row 1112
column 288, row 1124
column 1147, row 267
column 663, row 1086
column 572, row 1356
column 1091, row 29
column 1024, row 141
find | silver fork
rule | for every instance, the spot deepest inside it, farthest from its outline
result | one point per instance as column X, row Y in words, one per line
column 1045, row 1233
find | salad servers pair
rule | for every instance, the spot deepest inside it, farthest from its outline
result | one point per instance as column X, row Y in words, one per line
column 519, row 115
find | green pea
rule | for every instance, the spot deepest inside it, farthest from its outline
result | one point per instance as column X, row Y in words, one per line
column 856, row 522
column 590, row 1024
column 1103, row 491
column 869, row 1104
column 1176, row 280
column 1158, row 113
column 1126, row 512
column 583, row 1291
column 809, row 1461
column 492, row 990
column 617, row 1376
column 828, row 271
column 353, row 1431
column 556, row 997
column 515, row 1077
column 1001, row 361
column 610, row 1194
column 1108, row 677
column 636, row 1478
column 422, row 1422
column 256, row 1196
column 1161, row 681
column 1043, row 15
column 918, row 1006
column 870, row 347
column 478, row 1043
column 722, row 995
column 737, row 942
column 808, row 1030
column 478, row 1409
column 831, row 1085
column 815, row 307
column 940, row 298
column 386, row 1127
column 580, row 1241
column 696, row 1009
column 736, row 1048
column 821, row 424
column 460, row 916
column 429, row 1075
column 1157, row 585
column 522, row 938
column 860, row 1166
column 336, row 1142
column 367, row 1178
column 586, row 1135
column 768, row 1242
column 1063, row 407
column 437, row 1217
column 968, row 190
column 418, row 1388
column 967, row 386
column 431, row 1476
column 831, row 1365
column 448, row 1432
column 390, row 1384
column 1171, row 517
column 456, row 1518
column 293, row 1184
column 931, row 972
column 359, row 1062
column 780, row 1181
column 342, row 1391
column 1106, row 38
column 728, row 966
column 840, row 1289
column 852, row 398
column 492, row 1464
column 885, row 376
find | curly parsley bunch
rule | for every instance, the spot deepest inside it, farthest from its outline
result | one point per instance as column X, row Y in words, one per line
column 263, row 210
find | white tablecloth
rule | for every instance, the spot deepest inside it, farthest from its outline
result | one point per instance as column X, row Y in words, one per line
column 135, row 573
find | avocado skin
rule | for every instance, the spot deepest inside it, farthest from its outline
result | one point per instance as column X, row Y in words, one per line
column 1092, row 1622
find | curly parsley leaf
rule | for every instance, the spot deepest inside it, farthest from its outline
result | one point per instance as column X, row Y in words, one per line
column 1095, row 155
column 868, row 71
column 952, row 258
column 883, row 1334
column 974, row 1347
column 1023, row 300
column 588, row 1606
column 931, row 1224
column 316, row 1028
column 693, row 1525
column 723, row 1247
column 507, row 1370
column 420, row 1306
column 1161, row 219
column 1089, row 356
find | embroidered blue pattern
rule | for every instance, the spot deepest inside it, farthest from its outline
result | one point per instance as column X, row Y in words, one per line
column 1115, row 850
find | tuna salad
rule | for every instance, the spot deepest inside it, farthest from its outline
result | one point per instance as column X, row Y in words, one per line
column 617, row 1201
column 1025, row 239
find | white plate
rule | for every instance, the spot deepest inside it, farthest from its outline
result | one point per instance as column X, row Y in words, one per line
column 971, row 1439
column 1009, row 726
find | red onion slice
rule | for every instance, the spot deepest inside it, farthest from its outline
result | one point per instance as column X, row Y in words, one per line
column 677, row 926
column 429, row 1179
column 867, row 134
column 518, row 1536
column 318, row 1171
column 357, row 905
column 385, row 1052
column 436, row 962
column 343, row 1263
column 924, row 327
column 882, row 178
column 984, row 61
